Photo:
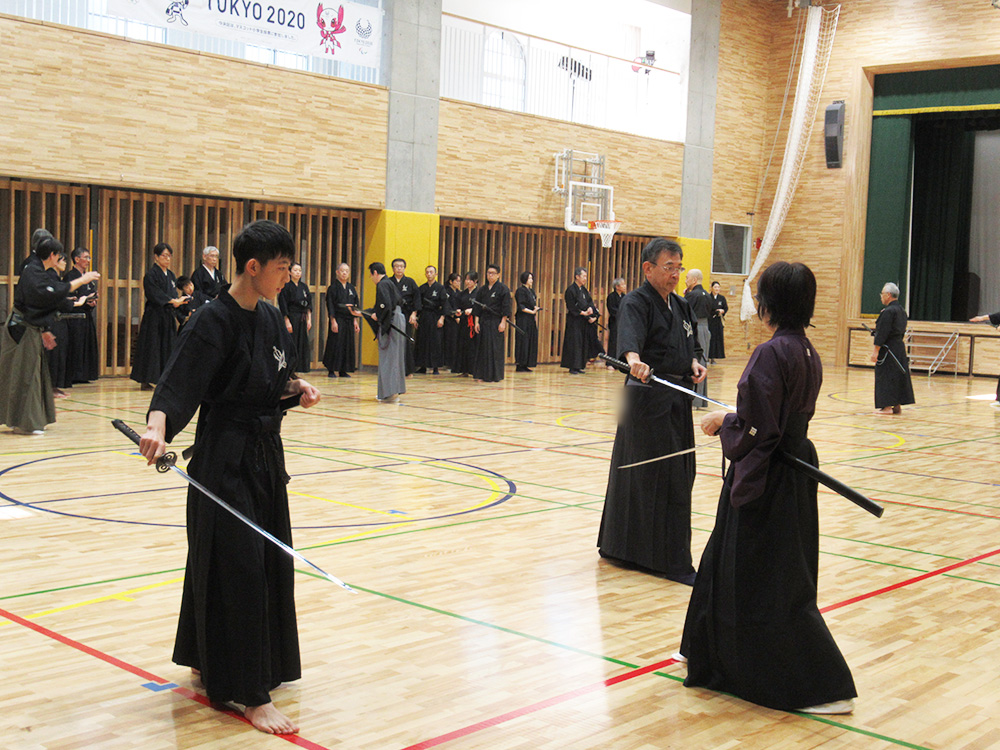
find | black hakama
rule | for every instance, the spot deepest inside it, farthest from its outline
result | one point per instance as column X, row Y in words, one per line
column 428, row 352
column 158, row 328
column 84, row 365
column 525, row 344
column 717, row 328
column 611, row 304
column 647, row 509
column 449, row 338
column 753, row 626
column 493, row 308
column 237, row 619
column 340, row 353
column 893, row 386
column 295, row 303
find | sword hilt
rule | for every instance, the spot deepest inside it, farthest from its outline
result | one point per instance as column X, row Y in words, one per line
column 616, row 363
column 163, row 464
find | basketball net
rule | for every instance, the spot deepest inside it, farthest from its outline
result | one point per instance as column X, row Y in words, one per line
column 606, row 229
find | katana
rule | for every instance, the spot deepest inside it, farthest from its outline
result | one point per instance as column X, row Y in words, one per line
column 905, row 371
column 660, row 458
column 511, row 322
column 167, row 462
column 623, row 367
column 372, row 319
column 796, row 463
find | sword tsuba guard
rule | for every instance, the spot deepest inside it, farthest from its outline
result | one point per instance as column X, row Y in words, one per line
column 166, row 462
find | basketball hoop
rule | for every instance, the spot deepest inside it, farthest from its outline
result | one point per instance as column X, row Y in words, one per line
column 606, row 229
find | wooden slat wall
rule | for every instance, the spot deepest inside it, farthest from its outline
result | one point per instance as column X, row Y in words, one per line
column 26, row 206
column 326, row 237
column 551, row 255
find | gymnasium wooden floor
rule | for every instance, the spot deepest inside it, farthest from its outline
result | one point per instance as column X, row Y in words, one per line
column 466, row 517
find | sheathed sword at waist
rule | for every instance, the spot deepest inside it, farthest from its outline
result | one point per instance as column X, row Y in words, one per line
column 796, row 463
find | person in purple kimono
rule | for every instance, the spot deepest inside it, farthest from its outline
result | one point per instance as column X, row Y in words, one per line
column 753, row 628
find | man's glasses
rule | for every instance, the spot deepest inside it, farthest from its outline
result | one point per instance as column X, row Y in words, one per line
column 671, row 268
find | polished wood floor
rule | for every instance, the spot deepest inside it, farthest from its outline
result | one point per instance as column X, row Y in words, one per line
column 466, row 517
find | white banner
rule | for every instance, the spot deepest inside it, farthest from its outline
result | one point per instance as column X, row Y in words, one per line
column 342, row 31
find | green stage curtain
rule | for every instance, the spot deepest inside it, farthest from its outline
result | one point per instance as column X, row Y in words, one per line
column 942, row 206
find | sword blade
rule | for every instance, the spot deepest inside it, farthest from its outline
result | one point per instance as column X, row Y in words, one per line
column 660, row 458
column 263, row 532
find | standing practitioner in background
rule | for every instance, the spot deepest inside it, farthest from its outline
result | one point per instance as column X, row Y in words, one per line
column 994, row 320
column 703, row 309
column 491, row 323
column 716, row 324
column 450, row 337
column 893, row 387
column 207, row 278
column 467, row 350
column 391, row 343
column 83, row 362
column 26, row 403
column 158, row 328
column 342, row 303
column 58, row 355
column 430, row 323
column 646, row 521
column 753, row 627
column 295, row 303
column 526, row 317
column 611, row 305
column 410, row 305
column 581, row 317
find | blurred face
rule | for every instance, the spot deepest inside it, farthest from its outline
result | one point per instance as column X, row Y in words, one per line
column 455, row 283
column 581, row 279
column 492, row 275
column 60, row 263
column 716, row 287
column 431, row 273
column 343, row 273
column 470, row 284
column 82, row 261
column 270, row 278
column 530, row 282
column 886, row 298
column 296, row 273
column 398, row 268
column 664, row 274
column 212, row 259
column 163, row 259
column 620, row 288
column 188, row 289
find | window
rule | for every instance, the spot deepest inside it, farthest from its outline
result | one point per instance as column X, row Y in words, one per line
column 503, row 71
column 730, row 248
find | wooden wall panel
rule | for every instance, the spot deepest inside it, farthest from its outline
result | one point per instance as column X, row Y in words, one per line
column 987, row 356
column 493, row 163
column 825, row 227
column 184, row 121
column 326, row 237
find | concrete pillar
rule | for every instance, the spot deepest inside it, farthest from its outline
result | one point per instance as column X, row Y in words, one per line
column 412, row 71
column 696, row 180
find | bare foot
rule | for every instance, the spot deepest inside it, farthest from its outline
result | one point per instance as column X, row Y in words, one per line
column 886, row 410
column 267, row 718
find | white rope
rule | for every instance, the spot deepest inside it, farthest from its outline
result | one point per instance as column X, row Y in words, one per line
column 821, row 25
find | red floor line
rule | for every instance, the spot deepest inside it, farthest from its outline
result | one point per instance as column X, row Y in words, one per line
column 518, row 712
column 910, row 581
column 139, row 672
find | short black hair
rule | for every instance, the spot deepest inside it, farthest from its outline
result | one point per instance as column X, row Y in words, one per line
column 263, row 241
column 787, row 293
column 494, row 266
column 78, row 252
column 453, row 275
column 472, row 275
column 659, row 245
column 49, row 246
column 377, row 267
column 398, row 260
column 715, row 283
column 161, row 247
column 524, row 276
column 183, row 281
column 579, row 270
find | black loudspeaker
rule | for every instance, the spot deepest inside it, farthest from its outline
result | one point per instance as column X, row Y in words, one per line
column 833, row 133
